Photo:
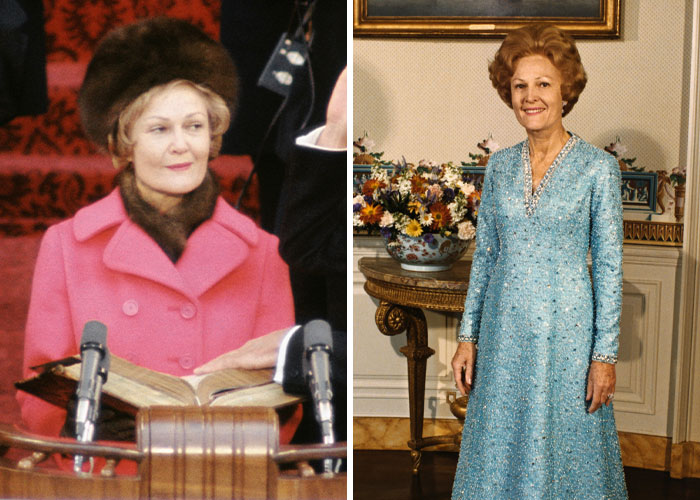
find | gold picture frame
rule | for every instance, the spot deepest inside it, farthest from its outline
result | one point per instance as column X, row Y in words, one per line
column 459, row 19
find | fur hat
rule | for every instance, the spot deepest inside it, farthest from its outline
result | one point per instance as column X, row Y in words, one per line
column 134, row 58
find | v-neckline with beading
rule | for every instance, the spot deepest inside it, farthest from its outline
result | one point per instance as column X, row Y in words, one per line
column 531, row 199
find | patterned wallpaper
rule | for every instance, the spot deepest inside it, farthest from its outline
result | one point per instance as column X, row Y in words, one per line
column 432, row 99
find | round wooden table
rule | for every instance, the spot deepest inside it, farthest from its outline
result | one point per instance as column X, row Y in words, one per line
column 402, row 296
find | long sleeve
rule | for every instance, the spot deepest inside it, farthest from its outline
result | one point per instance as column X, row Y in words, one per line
column 313, row 225
column 485, row 255
column 313, row 234
column 49, row 332
column 606, row 254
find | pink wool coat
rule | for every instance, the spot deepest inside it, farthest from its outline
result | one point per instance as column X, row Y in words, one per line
column 229, row 286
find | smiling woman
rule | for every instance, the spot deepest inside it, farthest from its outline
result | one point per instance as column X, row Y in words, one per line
column 536, row 96
column 543, row 378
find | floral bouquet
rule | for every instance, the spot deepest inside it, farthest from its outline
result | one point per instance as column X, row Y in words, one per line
column 424, row 200
column 364, row 155
column 426, row 212
column 677, row 176
column 488, row 146
column 618, row 150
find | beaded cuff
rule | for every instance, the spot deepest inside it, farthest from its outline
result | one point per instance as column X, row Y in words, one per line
column 604, row 358
column 462, row 338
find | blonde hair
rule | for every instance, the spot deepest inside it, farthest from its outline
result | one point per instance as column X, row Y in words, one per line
column 121, row 145
column 539, row 39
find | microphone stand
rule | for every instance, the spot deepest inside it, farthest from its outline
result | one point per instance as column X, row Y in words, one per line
column 322, row 395
column 87, row 412
column 86, row 428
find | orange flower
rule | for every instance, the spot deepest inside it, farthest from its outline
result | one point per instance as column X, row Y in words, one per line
column 418, row 184
column 441, row 216
column 474, row 201
column 372, row 185
column 371, row 214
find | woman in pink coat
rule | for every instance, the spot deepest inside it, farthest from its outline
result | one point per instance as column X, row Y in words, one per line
column 177, row 275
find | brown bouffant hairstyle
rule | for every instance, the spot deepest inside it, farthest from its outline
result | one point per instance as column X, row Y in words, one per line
column 539, row 39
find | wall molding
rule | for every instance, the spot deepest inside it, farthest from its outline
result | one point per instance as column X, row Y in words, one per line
column 685, row 460
column 639, row 396
column 687, row 355
column 645, row 374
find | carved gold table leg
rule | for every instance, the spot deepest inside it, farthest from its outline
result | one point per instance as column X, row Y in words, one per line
column 392, row 320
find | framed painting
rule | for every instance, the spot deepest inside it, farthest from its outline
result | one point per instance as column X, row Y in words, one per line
column 483, row 18
column 639, row 191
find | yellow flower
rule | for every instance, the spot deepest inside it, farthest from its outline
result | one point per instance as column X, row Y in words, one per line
column 414, row 228
column 414, row 206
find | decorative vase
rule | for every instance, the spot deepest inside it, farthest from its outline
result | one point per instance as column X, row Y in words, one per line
column 458, row 405
column 416, row 254
column 680, row 202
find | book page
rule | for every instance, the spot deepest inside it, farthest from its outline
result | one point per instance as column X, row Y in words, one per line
column 208, row 386
column 140, row 386
column 268, row 395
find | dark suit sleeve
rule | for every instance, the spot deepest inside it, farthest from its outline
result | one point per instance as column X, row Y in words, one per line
column 23, row 89
column 313, row 217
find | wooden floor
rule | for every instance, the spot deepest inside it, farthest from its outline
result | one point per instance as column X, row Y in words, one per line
column 386, row 475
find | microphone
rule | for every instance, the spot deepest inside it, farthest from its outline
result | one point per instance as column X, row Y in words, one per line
column 318, row 345
column 93, row 373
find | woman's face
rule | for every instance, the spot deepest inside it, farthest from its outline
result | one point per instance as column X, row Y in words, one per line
column 171, row 146
column 536, row 94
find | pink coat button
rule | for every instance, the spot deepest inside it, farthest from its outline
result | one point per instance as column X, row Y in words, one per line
column 188, row 311
column 187, row 362
column 130, row 307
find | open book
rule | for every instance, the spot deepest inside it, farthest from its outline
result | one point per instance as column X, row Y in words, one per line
column 130, row 387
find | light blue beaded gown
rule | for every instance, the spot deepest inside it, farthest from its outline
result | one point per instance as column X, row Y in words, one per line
column 539, row 319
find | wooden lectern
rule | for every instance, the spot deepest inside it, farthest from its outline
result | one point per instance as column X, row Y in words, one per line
column 188, row 453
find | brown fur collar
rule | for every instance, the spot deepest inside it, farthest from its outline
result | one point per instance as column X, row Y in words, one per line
column 171, row 229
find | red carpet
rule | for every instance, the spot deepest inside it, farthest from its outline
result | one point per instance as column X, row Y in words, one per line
column 17, row 257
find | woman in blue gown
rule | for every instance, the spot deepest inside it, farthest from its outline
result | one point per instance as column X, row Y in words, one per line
column 539, row 422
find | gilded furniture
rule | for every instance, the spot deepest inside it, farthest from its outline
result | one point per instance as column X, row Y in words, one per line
column 402, row 295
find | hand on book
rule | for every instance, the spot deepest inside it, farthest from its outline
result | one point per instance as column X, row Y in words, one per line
column 257, row 353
